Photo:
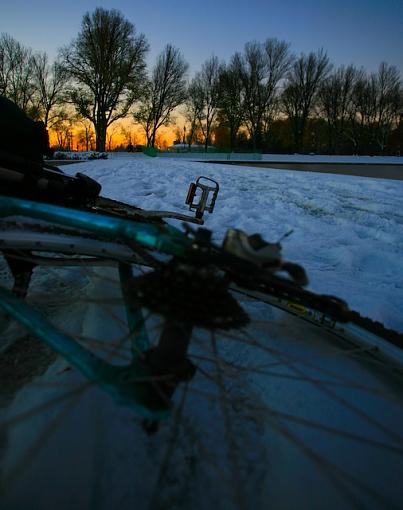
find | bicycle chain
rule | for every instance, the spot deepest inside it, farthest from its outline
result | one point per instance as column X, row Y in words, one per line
column 334, row 308
column 328, row 305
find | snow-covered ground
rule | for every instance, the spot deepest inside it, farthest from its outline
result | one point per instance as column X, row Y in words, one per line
column 308, row 425
column 348, row 231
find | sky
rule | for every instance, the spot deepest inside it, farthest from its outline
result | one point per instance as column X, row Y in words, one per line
column 363, row 32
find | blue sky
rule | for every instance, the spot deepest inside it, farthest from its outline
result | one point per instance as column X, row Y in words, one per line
column 363, row 32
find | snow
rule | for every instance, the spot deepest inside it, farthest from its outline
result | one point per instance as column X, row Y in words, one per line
column 89, row 453
column 348, row 231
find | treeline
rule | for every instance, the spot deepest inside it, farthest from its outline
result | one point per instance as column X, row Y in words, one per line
column 265, row 98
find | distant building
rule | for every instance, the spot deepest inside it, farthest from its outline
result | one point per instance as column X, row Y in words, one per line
column 184, row 147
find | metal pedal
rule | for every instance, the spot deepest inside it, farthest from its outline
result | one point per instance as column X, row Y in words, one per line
column 198, row 197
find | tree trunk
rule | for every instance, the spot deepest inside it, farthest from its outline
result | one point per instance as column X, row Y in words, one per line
column 207, row 138
column 153, row 136
column 100, row 132
column 330, row 138
column 231, row 138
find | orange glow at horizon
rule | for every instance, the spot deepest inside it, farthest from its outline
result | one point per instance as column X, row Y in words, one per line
column 118, row 134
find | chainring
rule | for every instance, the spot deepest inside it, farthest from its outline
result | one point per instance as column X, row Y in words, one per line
column 190, row 293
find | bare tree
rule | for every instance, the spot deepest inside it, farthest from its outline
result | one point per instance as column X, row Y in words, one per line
column 375, row 107
column 205, row 86
column 362, row 113
column 263, row 66
column 253, row 74
column 278, row 62
column 86, row 134
column 50, row 82
column 63, row 128
column 303, row 81
column 6, row 63
column 107, row 62
column 335, row 97
column 166, row 90
column 128, row 136
column 193, row 109
column 388, row 102
column 16, row 66
column 231, row 97
column 109, row 137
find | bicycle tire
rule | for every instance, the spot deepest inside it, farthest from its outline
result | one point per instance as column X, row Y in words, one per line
column 289, row 415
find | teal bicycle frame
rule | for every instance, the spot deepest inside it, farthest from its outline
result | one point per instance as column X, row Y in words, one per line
column 115, row 380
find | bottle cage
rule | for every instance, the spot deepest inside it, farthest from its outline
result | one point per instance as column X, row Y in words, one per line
column 198, row 196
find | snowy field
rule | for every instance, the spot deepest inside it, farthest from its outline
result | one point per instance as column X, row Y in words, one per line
column 348, row 231
column 299, row 423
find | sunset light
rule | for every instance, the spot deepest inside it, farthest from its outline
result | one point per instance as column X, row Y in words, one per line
column 201, row 255
column 218, row 67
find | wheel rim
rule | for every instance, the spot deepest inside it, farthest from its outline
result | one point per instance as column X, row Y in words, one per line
column 258, row 413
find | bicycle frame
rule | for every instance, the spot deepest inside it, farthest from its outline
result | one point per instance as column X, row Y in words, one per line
column 141, row 396
column 166, row 239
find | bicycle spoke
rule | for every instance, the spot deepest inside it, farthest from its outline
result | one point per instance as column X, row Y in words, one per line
column 232, row 449
column 169, row 452
column 204, row 453
column 333, row 473
column 319, row 426
column 234, row 404
column 331, row 430
column 29, row 456
column 44, row 406
column 284, row 361
column 260, row 370
column 336, row 398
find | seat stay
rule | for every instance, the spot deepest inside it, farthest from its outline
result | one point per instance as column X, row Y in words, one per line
column 164, row 238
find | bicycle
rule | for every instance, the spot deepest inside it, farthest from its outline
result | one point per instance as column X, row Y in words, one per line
column 151, row 368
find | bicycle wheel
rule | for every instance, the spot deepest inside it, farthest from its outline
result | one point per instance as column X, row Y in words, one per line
column 279, row 412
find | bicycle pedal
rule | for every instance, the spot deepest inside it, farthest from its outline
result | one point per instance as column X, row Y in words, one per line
column 201, row 196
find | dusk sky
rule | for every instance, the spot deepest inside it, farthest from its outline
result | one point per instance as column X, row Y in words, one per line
column 363, row 32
